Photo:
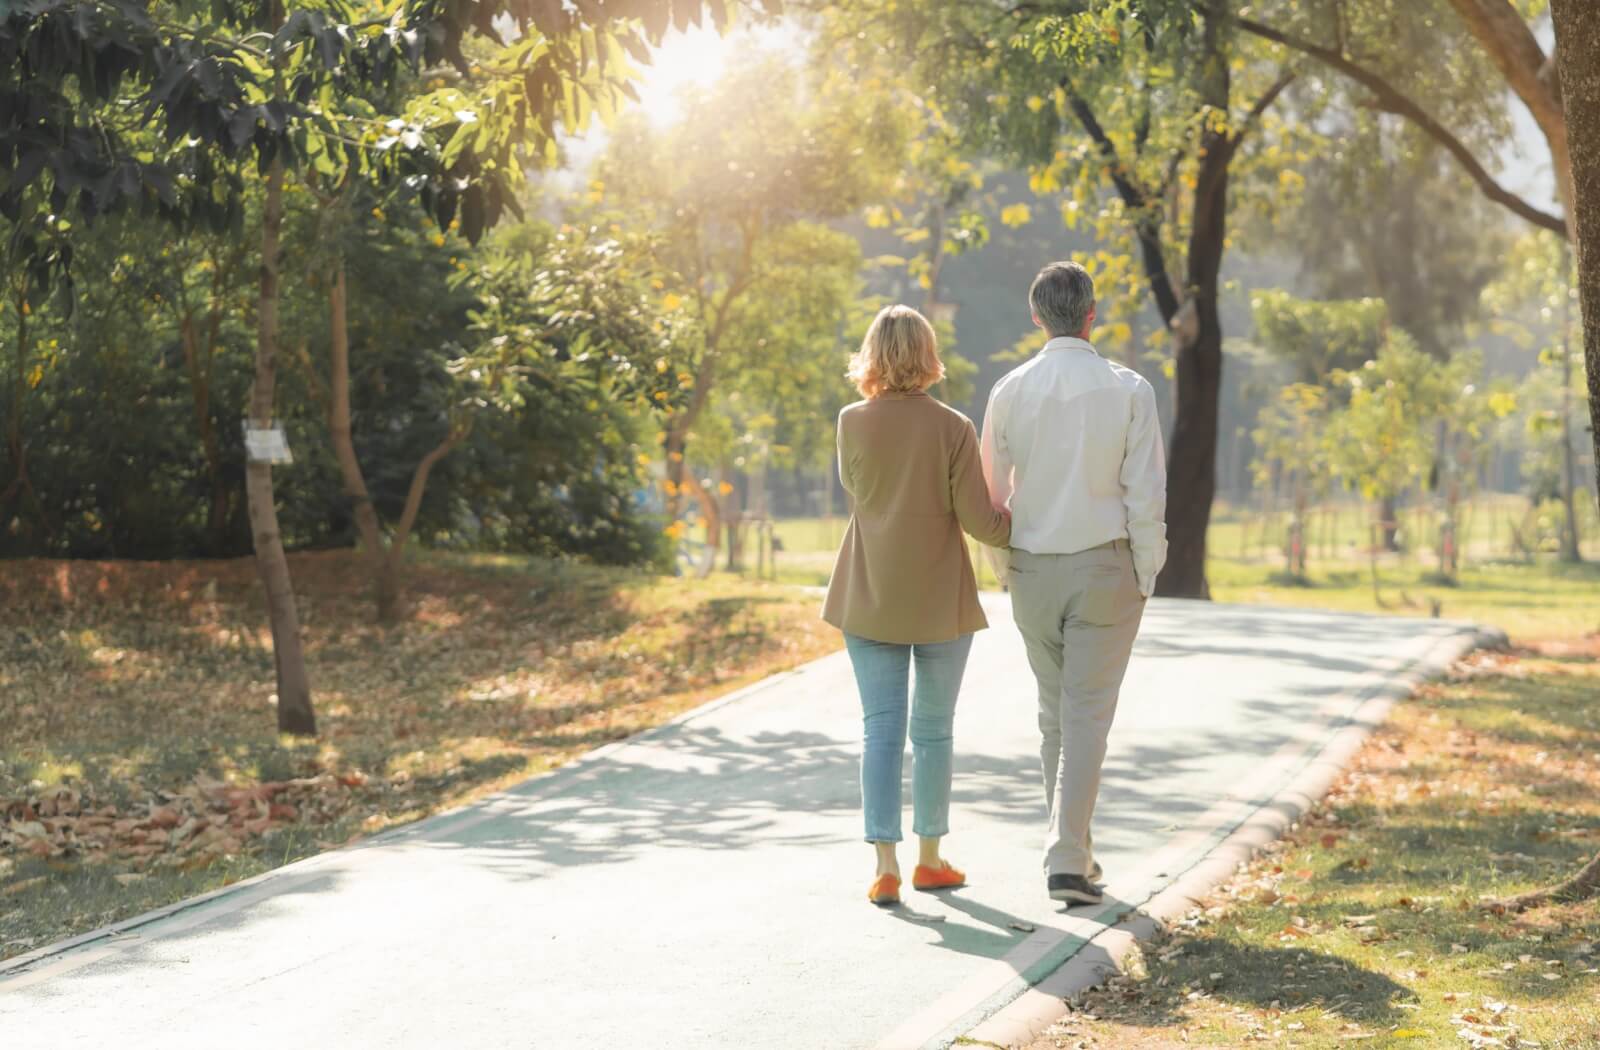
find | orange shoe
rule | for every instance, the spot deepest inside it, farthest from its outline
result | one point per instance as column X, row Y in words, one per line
column 885, row 890
column 943, row 877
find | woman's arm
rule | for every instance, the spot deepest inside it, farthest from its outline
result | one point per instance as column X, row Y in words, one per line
column 969, row 494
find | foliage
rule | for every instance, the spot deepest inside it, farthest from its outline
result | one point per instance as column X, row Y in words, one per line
column 1317, row 338
column 583, row 353
column 736, row 195
column 554, row 340
column 282, row 85
column 1382, row 213
column 1381, row 442
column 1533, row 303
column 1291, row 437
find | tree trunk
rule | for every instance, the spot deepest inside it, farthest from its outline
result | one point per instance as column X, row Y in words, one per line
column 22, row 482
column 390, row 581
column 675, row 443
column 198, row 363
column 1191, row 467
column 1571, row 549
column 734, row 525
column 712, row 512
column 1577, row 24
column 1192, row 461
column 374, row 550
column 1388, row 524
column 294, row 689
column 19, row 384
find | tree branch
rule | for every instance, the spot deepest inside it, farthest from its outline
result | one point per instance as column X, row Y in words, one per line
column 1146, row 217
column 1252, row 118
column 1392, row 100
column 1515, row 51
column 419, row 483
column 1131, row 192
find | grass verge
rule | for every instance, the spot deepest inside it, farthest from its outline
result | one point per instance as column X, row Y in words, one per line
column 140, row 765
column 1541, row 598
column 1367, row 926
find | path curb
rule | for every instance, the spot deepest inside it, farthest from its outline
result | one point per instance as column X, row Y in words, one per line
column 1028, row 1016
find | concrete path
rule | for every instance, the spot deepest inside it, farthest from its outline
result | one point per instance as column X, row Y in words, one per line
column 702, row 885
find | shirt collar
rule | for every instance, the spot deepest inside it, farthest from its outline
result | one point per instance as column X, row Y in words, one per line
column 1067, row 342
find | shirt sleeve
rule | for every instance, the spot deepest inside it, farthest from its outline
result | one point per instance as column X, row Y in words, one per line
column 970, row 496
column 1144, row 490
column 996, row 457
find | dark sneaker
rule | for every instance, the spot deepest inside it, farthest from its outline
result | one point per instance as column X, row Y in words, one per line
column 1097, row 874
column 1074, row 889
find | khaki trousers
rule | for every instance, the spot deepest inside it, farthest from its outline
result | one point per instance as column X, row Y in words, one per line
column 1078, row 614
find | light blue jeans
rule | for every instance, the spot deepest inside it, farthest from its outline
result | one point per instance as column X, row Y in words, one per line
column 883, row 674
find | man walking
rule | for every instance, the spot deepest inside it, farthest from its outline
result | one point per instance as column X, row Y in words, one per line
column 1072, row 445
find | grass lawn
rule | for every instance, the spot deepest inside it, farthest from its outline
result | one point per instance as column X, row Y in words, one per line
column 1366, row 926
column 1539, row 599
column 139, row 762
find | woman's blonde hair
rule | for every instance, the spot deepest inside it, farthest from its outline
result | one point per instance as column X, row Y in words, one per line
column 900, row 354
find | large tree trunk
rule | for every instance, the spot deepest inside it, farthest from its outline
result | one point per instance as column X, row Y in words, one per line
column 294, row 689
column 1191, row 466
column 1571, row 549
column 1192, row 462
column 1577, row 24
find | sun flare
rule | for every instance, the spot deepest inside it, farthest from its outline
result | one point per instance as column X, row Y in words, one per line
column 692, row 59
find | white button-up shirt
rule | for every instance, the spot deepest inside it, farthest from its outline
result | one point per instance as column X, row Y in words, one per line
column 1072, row 444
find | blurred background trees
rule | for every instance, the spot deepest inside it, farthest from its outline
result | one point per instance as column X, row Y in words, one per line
column 582, row 282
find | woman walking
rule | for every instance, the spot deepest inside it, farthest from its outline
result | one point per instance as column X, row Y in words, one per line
column 903, row 590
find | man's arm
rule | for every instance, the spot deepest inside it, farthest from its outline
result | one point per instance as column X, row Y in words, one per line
column 1144, row 489
column 996, row 457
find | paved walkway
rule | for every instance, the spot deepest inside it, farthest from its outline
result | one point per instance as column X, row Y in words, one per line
column 702, row 886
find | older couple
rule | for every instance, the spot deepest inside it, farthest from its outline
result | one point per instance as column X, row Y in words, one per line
column 1069, row 475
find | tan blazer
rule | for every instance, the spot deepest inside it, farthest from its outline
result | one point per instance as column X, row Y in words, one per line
column 911, row 467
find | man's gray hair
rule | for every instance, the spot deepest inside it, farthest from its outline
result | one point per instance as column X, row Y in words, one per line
column 1061, row 297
